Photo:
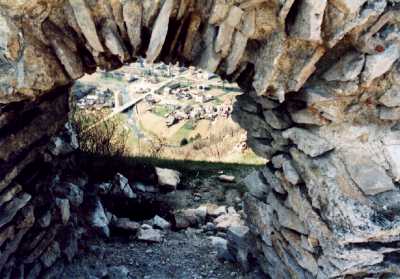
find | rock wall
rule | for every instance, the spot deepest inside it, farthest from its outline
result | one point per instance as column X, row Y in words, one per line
column 33, row 234
column 322, row 102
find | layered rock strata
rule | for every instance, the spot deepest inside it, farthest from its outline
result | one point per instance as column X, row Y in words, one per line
column 322, row 103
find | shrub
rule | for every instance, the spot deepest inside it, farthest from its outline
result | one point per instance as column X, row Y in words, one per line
column 184, row 142
column 107, row 138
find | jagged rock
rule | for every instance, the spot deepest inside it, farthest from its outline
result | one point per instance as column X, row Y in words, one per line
column 201, row 213
column 85, row 21
column 132, row 14
column 272, row 180
column 221, row 245
column 160, row 223
column 290, row 172
column 276, row 119
column 307, row 142
column 255, row 185
column 71, row 61
column 304, row 258
column 305, row 116
column 150, row 235
column 238, row 48
column 225, row 221
column 389, row 113
column 63, row 205
column 218, row 13
column 168, row 179
column 348, row 68
column 214, row 210
column 60, row 147
column 69, row 243
column 350, row 6
column 71, row 192
column 189, row 217
column 391, row 98
column 11, row 208
column 308, row 21
column 160, row 30
column 392, row 152
column 226, row 30
column 238, row 238
column 209, row 58
column 278, row 160
column 45, row 220
column 286, row 217
column 104, row 188
column 9, row 194
column 378, row 64
column 122, row 188
column 126, row 224
column 370, row 177
column 51, row 254
column 113, row 41
column 97, row 218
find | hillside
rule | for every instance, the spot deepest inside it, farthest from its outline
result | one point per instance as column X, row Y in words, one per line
column 182, row 113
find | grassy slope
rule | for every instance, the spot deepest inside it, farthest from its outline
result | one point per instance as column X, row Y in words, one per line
column 102, row 168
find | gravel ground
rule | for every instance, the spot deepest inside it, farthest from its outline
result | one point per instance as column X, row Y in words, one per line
column 186, row 254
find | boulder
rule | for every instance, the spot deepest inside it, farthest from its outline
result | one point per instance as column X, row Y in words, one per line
column 188, row 218
column 214, row 210
column 226, row 221
column 71, row 192
column 150, row 234
column 160, row 223
column 168, row 179
column 122, row 188
column 126, row 225
column 221, row 245
column 97, row 217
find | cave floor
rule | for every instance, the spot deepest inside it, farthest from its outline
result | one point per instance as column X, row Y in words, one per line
column 182, row 254
column 185, row 254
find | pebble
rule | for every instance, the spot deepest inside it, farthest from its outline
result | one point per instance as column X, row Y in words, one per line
column 227, row 178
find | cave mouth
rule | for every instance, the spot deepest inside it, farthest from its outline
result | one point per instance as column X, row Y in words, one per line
column 160, row 111
column 134, row 123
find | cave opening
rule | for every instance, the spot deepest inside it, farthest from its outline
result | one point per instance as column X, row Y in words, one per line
column 143, row 125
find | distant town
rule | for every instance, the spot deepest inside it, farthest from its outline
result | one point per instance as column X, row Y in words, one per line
column 170, row 104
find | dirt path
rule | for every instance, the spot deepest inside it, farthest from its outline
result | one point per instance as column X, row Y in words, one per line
column 182, row 255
